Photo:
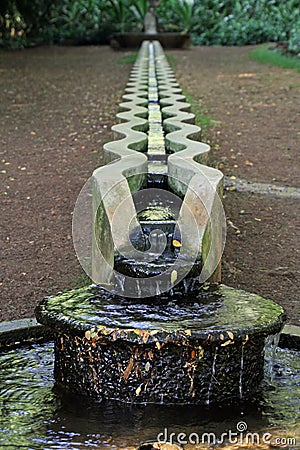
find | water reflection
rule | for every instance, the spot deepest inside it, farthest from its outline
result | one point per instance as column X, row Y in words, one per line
column 36, row 416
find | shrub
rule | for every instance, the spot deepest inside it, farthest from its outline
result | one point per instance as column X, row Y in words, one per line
column 294, row 39
column 226, row 22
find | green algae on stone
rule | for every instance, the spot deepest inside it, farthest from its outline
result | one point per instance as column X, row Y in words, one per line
column 156, row 213
column 204, row 313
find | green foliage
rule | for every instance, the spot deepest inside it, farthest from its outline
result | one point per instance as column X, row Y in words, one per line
column 264, row 55
column 294, row 39
column 117, row 12
column 78, row 20
column 176, row 15
column 225, row 22
column 139, row 9
column 240, row 22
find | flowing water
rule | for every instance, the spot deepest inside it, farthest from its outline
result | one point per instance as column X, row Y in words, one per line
column 35, row 416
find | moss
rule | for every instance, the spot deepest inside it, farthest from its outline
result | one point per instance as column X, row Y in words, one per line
column 156, row 213
column 264, row 55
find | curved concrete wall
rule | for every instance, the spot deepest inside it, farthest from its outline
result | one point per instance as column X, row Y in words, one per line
column 126, row 172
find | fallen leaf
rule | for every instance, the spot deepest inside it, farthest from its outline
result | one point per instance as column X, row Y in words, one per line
column 138, row 390
column 226, row 343
column 176, row 243
column 145, row 335
column 128, row 369
column 230, row 334
column 150, row 354
column 201, row 352
column 246, row 339
column 173, row 276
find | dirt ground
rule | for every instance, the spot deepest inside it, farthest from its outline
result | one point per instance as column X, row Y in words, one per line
column 57, row 107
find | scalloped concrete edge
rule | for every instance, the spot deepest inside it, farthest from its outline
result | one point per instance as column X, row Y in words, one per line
column 188, row 174
column 16, row 333
column 126, row 171
column 123, row 160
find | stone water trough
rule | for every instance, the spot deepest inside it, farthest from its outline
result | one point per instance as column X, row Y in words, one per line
column 149, row 229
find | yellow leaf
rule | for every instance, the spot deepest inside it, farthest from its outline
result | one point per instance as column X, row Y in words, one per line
column 145, row 336
column 153, row 332
column 188, row 332
column 176, row 243
column 226, row 343
column 138, row 390
column 173, row 276
column 246, row 339
column 230, row 334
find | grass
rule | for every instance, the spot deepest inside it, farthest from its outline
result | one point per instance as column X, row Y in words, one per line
column 128, row 59
column 201, row 118
column 171, row 61
column 266, row 56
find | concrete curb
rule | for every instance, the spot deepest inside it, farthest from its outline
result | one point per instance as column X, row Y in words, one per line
column 16, row 333
column 253, row 187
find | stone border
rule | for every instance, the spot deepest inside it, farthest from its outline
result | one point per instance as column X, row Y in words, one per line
column 253, row 187
column 16, row 333
column 290, row 337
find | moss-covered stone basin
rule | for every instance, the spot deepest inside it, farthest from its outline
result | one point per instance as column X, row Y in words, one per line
column 198, row 348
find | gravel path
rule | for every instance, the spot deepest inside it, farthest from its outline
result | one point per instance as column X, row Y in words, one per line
column 57, row 107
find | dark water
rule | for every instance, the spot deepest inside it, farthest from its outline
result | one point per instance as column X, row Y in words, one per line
column 217, row 311
column 35, row 416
